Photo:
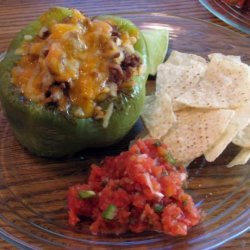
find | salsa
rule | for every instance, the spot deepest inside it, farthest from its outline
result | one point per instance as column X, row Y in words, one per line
column 139, row 190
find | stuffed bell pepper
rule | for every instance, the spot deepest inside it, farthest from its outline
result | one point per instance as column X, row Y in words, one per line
column 69, row 82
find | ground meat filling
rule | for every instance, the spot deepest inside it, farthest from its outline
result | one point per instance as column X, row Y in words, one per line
column 120, row 73
column 54, row 92
column 76, row 64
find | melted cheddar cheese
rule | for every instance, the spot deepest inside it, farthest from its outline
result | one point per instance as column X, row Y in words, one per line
column 68, row 65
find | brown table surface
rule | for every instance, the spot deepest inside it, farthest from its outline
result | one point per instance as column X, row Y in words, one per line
column 14, row 14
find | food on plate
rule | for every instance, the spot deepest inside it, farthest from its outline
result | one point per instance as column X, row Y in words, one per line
column 178, row 74
column 195, row 131
column 208, row 106
column 164, row 116
column 71, row 80
column 138, row 190
column 241, row 158
column 242, row 139
column 156, row 50
column 225, row 84
column 238, row 122
column 182, row 69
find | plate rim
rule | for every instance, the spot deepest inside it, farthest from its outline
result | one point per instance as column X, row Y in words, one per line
column 13, row 239
column 224, row 18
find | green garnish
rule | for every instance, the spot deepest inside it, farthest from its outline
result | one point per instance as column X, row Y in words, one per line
column 169, row 157
column 157, row 45
column 158, row 208
column 184, row 203
column 86, row 194
column 110, row 212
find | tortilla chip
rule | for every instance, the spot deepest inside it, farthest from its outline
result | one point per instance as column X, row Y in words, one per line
column 227, row 57
column 241, row 158
column 239, row 121
column 195, row 131
column 180, row 73
column 158, row 115
column 179, row 58
column 242, row 139
column 226, row 84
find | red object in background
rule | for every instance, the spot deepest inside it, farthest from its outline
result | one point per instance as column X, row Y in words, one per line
column 138, row 190
column 237, row 3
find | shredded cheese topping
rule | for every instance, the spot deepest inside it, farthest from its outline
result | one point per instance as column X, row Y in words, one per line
column 76, row 64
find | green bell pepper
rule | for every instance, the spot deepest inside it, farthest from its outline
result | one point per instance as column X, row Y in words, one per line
column 51, row 133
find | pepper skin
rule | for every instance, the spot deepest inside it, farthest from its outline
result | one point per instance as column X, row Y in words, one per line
column 51, row 133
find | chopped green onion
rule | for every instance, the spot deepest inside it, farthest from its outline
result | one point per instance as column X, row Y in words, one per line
column 184, row 203
column 169, row 157
column 86, row 194
column 110, row 212
column 158, row 208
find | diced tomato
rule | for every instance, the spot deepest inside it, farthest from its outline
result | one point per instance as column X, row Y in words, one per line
column 172, row 220
column 76, row 205
column 96, row 177
column 139, row 201
column 135, row 191
column 138, row 227
column 157, row 171
column 169, row 187
column 143, row 147
column 152, row 218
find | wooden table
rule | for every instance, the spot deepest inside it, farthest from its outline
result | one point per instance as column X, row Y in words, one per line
column 14, row 14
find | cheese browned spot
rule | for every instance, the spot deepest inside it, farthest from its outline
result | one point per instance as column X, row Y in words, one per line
column 73, row 65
